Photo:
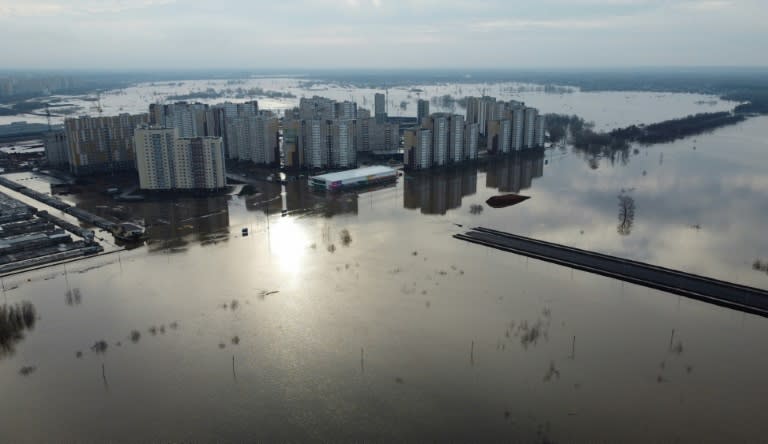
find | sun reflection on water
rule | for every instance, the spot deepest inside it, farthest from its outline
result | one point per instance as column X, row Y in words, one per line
column 288, row 244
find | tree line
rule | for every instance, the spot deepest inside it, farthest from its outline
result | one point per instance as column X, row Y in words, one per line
column 583, row 136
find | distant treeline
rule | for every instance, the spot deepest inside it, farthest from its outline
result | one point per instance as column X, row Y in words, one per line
column 670, row 130
column 238, row 93
column 583, row 136
column 757, row 101
column 448, row 101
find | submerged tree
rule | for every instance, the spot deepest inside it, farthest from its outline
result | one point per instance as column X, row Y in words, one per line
column 346, row 238
column 626, row 214
column 14, row 320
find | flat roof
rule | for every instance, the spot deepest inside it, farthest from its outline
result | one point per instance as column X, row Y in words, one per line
column 350, row 174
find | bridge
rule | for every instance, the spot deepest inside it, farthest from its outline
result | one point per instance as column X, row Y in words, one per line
column 727, row 294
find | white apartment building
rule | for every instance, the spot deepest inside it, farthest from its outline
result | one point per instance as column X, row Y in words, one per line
column 529, row 132
column 314, row 143
column 252, row 137
column 456, row 145
column 518, row 128
column 343, row 152
column 168, row 162
column 423, row 149
column 539, row 131
column 439, row 124
column 471, row 140
column 480, row 110
column 505, row 135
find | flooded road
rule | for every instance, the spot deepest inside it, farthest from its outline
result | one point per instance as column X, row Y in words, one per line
column 358, row 317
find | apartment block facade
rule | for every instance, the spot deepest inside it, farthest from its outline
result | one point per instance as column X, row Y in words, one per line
column 167, row 162
column 102, row 144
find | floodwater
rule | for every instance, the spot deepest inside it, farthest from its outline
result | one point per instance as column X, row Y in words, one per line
column 607, row 110
column 358, row 317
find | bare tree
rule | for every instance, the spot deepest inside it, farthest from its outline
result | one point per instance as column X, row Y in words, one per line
column 626, row 214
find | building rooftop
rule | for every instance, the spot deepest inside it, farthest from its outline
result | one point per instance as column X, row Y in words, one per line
column 350, row 174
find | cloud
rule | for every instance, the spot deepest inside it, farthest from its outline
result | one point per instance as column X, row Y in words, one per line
column 522, row 24
column 383, row 33
column 36, row 8
column 706, row 5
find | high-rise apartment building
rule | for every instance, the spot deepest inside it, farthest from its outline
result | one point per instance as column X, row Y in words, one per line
column 453, row 141
column 374, row 136
column 190, row 119
column 155, row 157
column 253, row 137
column 345, row 110
column 102, row 144
column 390, row 137
column 418, row 148
column 292, row 154
column 499, row 136
column 471, row 140
column 168, row 162
column 448, row 138
column 529, row 132
column 324, row 133
column 380, row 108
column 317, row 108
column 314, row 142
column 364, row 134
column 439, row 124
column 480, row 110
column 440, row 132
column 517, row 115
column 55, row 143
column 422, row 110
column 383, row 136
column 343, row 149
column 539, row 131
column 456, row 145
column 328, row 143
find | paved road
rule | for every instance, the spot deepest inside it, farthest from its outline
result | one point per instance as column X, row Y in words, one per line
column 702, row 288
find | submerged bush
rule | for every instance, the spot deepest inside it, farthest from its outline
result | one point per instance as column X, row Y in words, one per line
column 14, row 320
column 100, row 346
column 346, row 238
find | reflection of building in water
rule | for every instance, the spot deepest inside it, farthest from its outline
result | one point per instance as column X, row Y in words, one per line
column 296, row 196
column 514, row 173
column 173, row 220
column 439, row 191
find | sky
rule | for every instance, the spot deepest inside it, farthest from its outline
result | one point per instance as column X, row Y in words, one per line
column 328, row 34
